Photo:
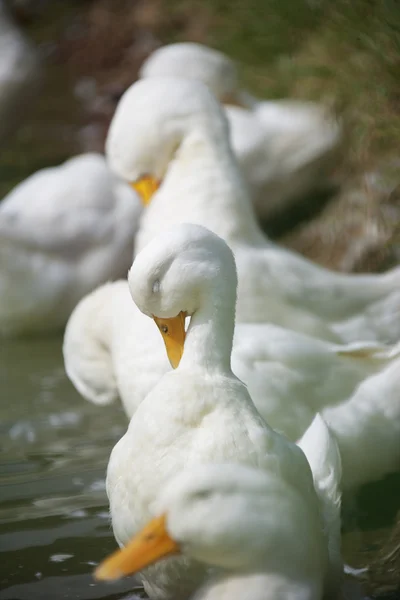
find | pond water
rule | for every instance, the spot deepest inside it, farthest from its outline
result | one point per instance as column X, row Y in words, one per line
column 54, row 523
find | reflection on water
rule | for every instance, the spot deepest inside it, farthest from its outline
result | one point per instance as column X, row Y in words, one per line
column 54, row 523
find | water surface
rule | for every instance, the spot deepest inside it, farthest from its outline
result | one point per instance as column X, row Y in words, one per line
column 54, row 522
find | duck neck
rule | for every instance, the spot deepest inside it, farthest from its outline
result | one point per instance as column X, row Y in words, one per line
column 205, row 174
column 209, row 338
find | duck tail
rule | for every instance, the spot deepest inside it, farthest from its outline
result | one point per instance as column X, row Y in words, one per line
column 320, row 447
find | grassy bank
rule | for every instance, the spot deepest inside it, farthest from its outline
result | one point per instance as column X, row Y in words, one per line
column 346, row 53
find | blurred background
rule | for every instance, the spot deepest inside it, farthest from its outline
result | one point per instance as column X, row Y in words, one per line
column 80, row 56
column 344, row 54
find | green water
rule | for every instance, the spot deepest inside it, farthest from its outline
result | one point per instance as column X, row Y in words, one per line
column 54, row 523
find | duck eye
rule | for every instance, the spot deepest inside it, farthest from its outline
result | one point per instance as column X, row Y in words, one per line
column 164, row 328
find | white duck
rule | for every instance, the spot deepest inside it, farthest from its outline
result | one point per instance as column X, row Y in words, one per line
column 250, row 527
column 200, row 412
column 19, row 74
column 112, row 350
column 63, row 231
column 367, row 428
column 285, row 148
column 183, row 141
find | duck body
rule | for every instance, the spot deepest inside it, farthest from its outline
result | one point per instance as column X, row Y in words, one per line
column 260, row 298
column 285, row 149
column 112, row 350
column 258, row 586
column 367, row 428
column 63, row 231
column 291, row 377
column 254, row 531
column 163, row 440
column 201, row 184
column 199, row 413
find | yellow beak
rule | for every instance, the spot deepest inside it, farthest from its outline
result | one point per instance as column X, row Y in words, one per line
column 152, row 543
column 173, row 333
column 146, row 186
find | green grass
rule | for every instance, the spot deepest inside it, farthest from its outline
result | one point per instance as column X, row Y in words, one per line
column 346, row 53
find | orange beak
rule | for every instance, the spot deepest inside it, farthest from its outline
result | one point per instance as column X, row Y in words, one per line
column 151, row 544
column 146, row 186
column 173, row 334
